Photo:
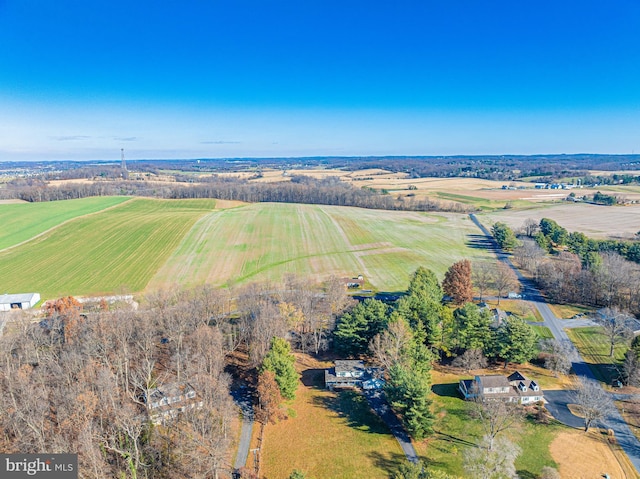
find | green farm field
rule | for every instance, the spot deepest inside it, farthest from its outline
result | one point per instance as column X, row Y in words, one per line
column 116, row 250
column 265, row 241
column 116, row 245
column 22, row 221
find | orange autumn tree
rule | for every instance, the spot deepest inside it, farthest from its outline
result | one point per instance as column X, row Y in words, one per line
column 269, row 399
column 67, row 310
column 457, row 282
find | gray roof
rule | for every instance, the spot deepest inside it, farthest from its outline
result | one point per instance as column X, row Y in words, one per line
column 495, row 381
column 16, row 298
column 344, row 365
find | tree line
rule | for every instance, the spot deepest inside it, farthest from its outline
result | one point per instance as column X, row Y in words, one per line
column 328, row 191
column 572, row 268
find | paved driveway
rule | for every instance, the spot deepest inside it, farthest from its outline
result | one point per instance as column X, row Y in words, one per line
column 243, row 399
column 379, row 404
column 557, row 405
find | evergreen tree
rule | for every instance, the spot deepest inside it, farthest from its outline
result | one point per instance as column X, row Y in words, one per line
column 357, row 327
column 409, row 387
column 422, row 306
column 515, row 341
column 472, row 325
column 504, row 236
column 281, row 362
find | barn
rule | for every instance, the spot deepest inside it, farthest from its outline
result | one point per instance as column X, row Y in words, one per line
column 18, row 301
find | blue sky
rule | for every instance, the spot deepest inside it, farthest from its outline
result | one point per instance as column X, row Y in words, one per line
column 208, row 78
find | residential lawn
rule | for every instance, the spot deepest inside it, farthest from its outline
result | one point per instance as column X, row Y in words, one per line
column 115, row 250
column 265, row 241
column 594, row 348
column 565, row 311
column 456, row 431
column 543, row 332
column 331, row 435
column 22, row 221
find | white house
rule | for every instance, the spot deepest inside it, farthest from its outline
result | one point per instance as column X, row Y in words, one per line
column 514, row 388
column 18, row 301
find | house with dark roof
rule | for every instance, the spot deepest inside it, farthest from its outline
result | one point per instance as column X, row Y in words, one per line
column 513, row 388
column 352, row 374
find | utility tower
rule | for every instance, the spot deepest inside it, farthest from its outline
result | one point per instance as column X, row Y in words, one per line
column 123, row 163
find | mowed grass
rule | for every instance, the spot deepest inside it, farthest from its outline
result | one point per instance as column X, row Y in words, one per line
column 23, row 221
column 594, row 348
column 116, row 250
column 456, row 432
column 332, row 435
column 265, row 241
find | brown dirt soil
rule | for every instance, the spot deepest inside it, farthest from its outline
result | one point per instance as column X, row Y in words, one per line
column 224, row 204
column 593, row 220
column 588, row 456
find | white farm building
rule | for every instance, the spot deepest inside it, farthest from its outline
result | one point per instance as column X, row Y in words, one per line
column 18, row 301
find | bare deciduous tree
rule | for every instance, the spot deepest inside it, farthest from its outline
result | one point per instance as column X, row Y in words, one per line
column 482, row 274
column 496, row 416
column 595, row 403
column 559, row 355
column 504, row 279
column 492, row 459
column 471, row 359
column 388, row 347
column 616, row 326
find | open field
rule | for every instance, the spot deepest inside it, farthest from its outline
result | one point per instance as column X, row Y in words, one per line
column 581, row 456
column 22, row 221
column 593, row 220
column 332, row 435
column 594, row 348
column 115, row 250
column 265, row 241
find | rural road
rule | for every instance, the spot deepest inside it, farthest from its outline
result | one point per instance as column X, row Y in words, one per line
column 243, row 400
column 623, row 434
column 379, row 404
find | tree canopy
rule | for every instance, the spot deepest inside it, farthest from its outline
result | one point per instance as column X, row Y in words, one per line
column 281, row 362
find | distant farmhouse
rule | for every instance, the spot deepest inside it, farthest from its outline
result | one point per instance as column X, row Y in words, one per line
column 352, row 374
column 514, row 388
column 166, row 402
column 18, row 301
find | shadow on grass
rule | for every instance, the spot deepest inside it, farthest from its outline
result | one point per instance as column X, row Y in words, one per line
column 453, row 439
column 526, row 474
column 389, row 462
column 313, row 378
column 480, row 242
column 355, row 409
column 447, row 390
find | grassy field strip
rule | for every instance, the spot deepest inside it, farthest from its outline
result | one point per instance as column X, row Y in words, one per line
column 331, row 435
column 264, row 241
column 115, row 250
column 23, row 221
column 594, row 348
